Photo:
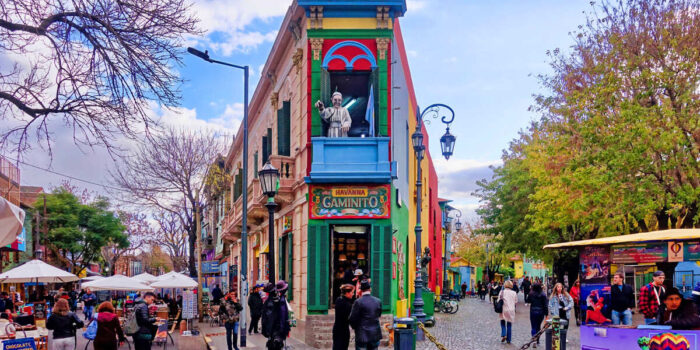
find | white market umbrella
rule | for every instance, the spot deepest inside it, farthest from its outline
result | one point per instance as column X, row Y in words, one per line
column 176, row 280
column 37, row 271
column 11, row 222
column 169, row 274
column 93, row 278
column 118, row 283
column 146, row 278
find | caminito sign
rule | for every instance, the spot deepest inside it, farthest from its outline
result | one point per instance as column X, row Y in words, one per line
column 350, row 202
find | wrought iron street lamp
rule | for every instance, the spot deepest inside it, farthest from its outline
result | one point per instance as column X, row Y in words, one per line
column 269, row 177
column 447, row 144
column 244, row 215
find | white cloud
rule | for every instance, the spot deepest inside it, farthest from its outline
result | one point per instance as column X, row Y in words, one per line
column 412, row 53
column 415, row 5
column 240, row 42
column 457, row 181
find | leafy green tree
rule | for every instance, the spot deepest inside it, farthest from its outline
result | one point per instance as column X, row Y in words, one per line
column 76, row 231
column 617, row 147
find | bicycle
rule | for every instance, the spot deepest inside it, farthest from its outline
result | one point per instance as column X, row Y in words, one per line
column 445, row 305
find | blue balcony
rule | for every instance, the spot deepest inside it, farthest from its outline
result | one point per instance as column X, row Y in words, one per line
column 350, row 160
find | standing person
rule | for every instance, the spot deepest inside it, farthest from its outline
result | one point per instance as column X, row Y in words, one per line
column 341, row 326
column 364, row 319
column 621, row 300
column 89, row 301
column 495, row 290
column 651, row 296
column 109, row 332
column 507, row 316
column 539, row 308
column 73, row 295
column 230, row 313
column 464, row 289
column 526, row 289
column 275, row 319
column 560, row 303
column 255, row 303
column 677, row 312
column 575, row 292
column 482, row 290
column 63, row 323
column 217, row 294
column 147, row 328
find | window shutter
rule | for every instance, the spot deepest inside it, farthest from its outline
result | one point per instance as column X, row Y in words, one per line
column 317, row 277
column 255, row 165
column 280, row 258
column 269, row 143
column 283, row 129
column 374, row 81
column 265, row 150
column 290, row 265
column 326, row 87
column 381, row 264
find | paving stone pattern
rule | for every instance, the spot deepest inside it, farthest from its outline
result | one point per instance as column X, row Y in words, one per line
column 477, row 327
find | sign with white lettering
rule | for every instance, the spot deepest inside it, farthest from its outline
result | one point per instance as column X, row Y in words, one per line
column 350, row 202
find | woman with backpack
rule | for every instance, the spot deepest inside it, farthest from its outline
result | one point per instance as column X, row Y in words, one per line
column 109, row 332
column 63, row 323
column 230, row 315
column 539, row 308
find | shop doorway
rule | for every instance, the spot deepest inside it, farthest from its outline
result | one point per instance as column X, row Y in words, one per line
column 349, row 251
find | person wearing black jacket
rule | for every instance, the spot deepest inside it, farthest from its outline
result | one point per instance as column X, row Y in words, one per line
column 217, row 294
column 255, row 304
column 677, row 312
column 230, row 313
column 621, row 301
column 341, row 327
column 147, row 327
column 275, row 318
column 364, row 319
column 525, row 285
column 538, row 309
column 63, row 323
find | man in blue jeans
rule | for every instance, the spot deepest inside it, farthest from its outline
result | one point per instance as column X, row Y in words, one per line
column 621, row 300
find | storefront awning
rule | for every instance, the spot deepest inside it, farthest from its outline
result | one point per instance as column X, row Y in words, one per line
column 11, row 222
column 653, row 236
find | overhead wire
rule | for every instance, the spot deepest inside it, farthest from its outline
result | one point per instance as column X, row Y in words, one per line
column 65, row 175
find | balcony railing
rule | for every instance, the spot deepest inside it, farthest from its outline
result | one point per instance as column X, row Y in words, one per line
column 350, row 160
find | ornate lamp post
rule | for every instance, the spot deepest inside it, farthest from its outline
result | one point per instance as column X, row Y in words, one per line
column 457, row 226
column 244, row 215
column 447, row 142
column 269, row 176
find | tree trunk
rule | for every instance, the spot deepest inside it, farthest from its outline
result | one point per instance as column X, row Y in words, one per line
column 192, row 235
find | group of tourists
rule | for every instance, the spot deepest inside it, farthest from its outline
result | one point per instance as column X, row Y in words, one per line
column 267, row 302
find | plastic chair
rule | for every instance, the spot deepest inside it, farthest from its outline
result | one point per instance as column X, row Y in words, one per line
column 43, row 343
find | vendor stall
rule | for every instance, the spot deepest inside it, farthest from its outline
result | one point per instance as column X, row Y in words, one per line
column 636, row 256
column 118, row 283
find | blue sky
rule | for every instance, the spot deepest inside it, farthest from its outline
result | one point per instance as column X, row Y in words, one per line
column 480, row 57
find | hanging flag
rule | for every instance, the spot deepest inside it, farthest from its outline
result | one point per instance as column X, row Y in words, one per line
column 369, row 115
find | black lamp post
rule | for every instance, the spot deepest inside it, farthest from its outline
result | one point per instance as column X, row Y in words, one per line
column 447, row 144
column 457, row 226
column 269, row 176
column 244, row 214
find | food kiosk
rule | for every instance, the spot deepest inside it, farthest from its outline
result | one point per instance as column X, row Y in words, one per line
column 637, row 256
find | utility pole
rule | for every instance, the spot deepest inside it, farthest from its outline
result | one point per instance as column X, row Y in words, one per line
column 198, row 251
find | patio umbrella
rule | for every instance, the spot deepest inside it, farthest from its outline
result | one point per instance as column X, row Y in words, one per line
column 176, row 280
column 146, row 278
column 118, row 283
column 93, row 278
column 11, row 222
column 37, row 271
column 168, row 275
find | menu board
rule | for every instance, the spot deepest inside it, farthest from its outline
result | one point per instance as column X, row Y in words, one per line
column 640, row 253
column 189, row 305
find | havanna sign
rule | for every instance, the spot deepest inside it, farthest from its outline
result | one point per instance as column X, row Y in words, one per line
column 350, row 202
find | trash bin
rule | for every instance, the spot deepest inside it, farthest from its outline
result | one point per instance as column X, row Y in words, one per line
column 404, row 333
column 562, row 336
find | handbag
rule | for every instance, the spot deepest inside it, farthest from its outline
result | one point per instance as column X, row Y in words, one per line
column 498, row 305
column 562, row 312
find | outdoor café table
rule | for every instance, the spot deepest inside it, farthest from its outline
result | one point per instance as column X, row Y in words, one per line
column 36, row 334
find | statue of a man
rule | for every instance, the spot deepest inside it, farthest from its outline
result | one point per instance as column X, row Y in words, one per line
column 337, row 116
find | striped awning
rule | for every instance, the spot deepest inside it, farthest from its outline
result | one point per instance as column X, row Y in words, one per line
column 653, row 236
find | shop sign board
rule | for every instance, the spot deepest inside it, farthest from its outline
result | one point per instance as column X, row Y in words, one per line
column 675, row 251
column 210, row 267
column 189, row 305
column 640, row 253
column 19, row 344
column 350, row 202
column 691, row 251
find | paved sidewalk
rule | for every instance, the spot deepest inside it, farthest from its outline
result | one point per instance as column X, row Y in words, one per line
column 216, row 337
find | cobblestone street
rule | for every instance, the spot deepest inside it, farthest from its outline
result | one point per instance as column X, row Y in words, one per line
column 476, row 327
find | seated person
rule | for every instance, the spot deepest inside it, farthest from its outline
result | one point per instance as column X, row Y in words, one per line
column 677, row 312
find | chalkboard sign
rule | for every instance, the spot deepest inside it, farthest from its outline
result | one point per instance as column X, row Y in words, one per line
column 189, row 305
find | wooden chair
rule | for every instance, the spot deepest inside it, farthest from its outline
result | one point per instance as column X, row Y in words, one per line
column 43, row 343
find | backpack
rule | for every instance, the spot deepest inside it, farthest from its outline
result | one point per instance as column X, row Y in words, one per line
column 131, row 326
column 91, row 331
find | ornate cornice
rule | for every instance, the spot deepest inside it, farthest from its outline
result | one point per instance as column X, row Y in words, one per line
column 316, row 46
column 274, row 98
column 316, row 17
column 382, row 46
column 297, row 59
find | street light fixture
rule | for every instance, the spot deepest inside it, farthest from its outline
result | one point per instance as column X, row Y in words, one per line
column 419, row 150
column 457, row 226
column 269, row 177
column 244, row 214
